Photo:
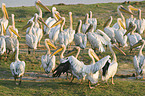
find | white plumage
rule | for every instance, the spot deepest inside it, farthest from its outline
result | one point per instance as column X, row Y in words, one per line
column 92, row 21
column 86, row 24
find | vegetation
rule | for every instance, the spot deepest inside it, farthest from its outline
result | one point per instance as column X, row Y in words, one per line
column 42, row 85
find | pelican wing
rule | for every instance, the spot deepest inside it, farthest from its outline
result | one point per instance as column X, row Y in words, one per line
column 2, row 45
column 136, row 64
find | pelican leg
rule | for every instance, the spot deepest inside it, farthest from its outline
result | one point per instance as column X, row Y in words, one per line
column 90, row 85
column 72, row 78
column 29, row 50
column 20, row 80
column 112, row 81
column 15, row 80
column 66, row 75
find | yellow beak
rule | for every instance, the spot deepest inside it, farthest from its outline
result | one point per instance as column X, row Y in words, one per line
column 5, row 11
column 41, row 5
column 124, row 10
column 11, row 28
column 56, row 23
column 58, row 50
column 140, row 42
column 49, row 43
column 94, row 55
column 118, row 49
column 28, row 25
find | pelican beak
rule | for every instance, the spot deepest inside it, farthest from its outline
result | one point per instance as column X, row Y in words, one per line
column 5, row 11
column 132, row 8
column 57, row 16
column 117, row 49
column 58, row 50
column 4, row 30
column 131, row 27
column 107, row 22
column 41, row 20
column 120, row 21
column 94, row 55
column 56, row 23
column 71, row 52
column 26, row 26
column 89, row 28
column 124, row 10
column 41, row 5
column 140, row 42
column 11, row 28
column 49, row 43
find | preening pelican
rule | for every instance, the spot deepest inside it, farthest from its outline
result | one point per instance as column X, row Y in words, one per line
column 86, row 24
column 110, row 69
column 132, row 37
column 139, row 61
column 5, row 16
column 92, row 20
column 12, row 43
column 13, row 25
column 109, row 30
column 2, row 40
column 140, row 23
column 18, row 67
column 80, row 38
column 131, row 19
column 121, row 9
column 80, row 70
column 119, row 34
column 48, row 61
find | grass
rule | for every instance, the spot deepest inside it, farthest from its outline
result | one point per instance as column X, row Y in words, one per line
column 60, row 86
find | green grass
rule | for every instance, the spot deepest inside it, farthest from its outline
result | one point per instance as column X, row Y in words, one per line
column 59, row 86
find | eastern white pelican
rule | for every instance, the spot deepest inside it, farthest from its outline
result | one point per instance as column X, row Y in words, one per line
column 2, row 40
column 139, row 61
column 14, row 28
column 5, row 16
column 48, row 61
column 92, row 20
column 121, row 9
column 140, row 23
column 12, row 43
column 80, row 70
column 109, row 30
column 132, row 37
column 131, row 19
column 86, row 24
column 110, row 69
column 18, row 67
column 119, row 34
column 80, row 38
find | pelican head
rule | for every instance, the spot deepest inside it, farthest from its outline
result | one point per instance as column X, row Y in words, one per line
column 140, row 42
column 61, row 20
column 92, row 53
column 4, row 11
column 39, row 3
column 114, row 47
column 130, row 8
column 28, row 25
column 119, row 21
column 78, row 27
column 73, row 51
column 90, row 28
column 62, row 47
column 132, row 27
column 10, row 28
column 108, row 22
column 49, row 43
column 122, row 9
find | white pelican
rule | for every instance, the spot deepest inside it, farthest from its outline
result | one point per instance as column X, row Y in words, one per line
column 139, row 61
column 48, row 61
column 14, row 28
column 18, row 67
column 63, row 36
column 92, row 20
column 110, row 69
column 119, row 34
column 80, row 38
column 95, row 39
column 80, row 70
column 121, row 9
column 5, row 16
column 109, row 30
column 86, row 24
column 12, row 43
column 132, row 37
column 140, row 23
column 131, row 19
column 70, row 30
column 2, row 40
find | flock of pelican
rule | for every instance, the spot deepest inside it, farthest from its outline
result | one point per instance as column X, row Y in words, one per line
column 113, row 37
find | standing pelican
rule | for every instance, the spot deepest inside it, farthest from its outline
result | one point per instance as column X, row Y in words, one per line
column 92, row 20
column 18, row 67
column 131, row 19
column 140, row 23
column 86, row 24
column 2, row 40
column 13, row 25
column 12, row 43
column 133, row 37
column 121, row 9
column 139, row 61
column 5, row 16
column 80, row 38
column 110, row 69
column 48, row 61
column 119, row 34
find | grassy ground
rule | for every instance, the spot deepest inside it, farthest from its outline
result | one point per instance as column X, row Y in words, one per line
column 60, row 86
